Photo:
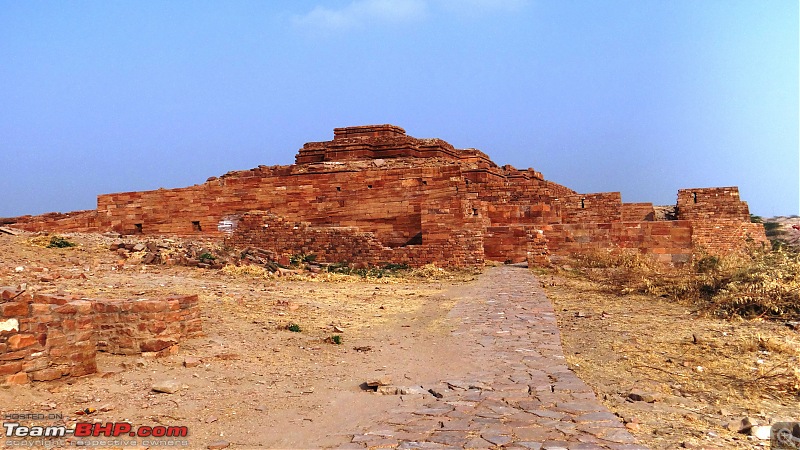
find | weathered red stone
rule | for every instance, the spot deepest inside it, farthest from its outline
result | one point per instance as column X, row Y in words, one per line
column 19, row 378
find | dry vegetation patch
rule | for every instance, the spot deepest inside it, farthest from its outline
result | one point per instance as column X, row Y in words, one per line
column 708, row 344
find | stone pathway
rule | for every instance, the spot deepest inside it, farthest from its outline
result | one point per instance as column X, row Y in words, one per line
column 523, row 395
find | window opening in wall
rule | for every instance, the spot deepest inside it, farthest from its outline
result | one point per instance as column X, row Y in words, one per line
column 137, row 228
column 467, row 182
column 583, row 203
column 694, row 196
column 474, row 211
column 369, row 186
column 338, row 188
column 196, row 225
column 424, row 182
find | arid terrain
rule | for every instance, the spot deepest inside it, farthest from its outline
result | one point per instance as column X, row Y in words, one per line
column 250, row 382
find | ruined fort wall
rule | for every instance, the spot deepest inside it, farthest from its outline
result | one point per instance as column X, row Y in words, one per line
column 711, row 204
column 384, row 202
column 720, row 220
column 76, row 221
column 725, row 236
column 376, row 179
column 47, row 337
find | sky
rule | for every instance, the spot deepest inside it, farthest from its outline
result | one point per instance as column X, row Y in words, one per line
column 643, row 97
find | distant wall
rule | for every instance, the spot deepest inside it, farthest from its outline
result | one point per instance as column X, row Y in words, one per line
column 77, row 221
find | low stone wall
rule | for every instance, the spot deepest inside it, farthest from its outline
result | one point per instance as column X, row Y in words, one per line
column 47, row 337
column 438, row 244
column 723, row 237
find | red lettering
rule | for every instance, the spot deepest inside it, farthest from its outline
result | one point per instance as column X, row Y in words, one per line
column 121, row 428
column 83, row 429
column 105, row 430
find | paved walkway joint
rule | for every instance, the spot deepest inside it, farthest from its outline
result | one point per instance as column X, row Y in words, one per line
column 525, row 396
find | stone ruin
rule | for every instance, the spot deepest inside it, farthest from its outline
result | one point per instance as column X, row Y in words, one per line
column 46, row 337
column 375, row 195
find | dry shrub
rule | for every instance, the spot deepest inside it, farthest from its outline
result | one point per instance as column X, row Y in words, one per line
column 428, row 271
column 40, row 241
column 760, row 283
column 247, row 271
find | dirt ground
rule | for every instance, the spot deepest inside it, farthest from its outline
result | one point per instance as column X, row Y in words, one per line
column 702, row 372
column 260, row 385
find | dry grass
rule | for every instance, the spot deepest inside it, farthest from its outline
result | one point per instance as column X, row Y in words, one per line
column 764, row 284
column 709, row 370
column 429, row 272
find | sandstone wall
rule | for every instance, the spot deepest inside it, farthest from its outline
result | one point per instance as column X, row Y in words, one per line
column 591, row 208
column 638, row 212
column 386, row 202
column 47, row 337
column 668, row 241
column 712, row 204
column 76, row 221
column 438, row 241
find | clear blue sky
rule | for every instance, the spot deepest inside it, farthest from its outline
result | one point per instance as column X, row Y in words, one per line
column 640, row 96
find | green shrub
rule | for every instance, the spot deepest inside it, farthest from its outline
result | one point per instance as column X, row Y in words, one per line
column 57, row 241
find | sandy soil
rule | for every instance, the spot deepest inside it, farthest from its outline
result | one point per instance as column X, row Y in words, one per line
column 702, row 372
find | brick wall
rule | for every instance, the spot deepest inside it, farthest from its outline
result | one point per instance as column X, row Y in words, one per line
column 638, row 212
column 47, row 337
column 384, row 201
column 712, row 204
column 77, row 221
column 668, row 241
column 438, row 241
column 725, row 236
column 591, row 208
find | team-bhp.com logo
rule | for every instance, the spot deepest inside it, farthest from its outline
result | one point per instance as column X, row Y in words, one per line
column 156, row 435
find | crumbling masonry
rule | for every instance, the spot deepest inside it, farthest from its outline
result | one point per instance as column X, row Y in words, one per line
column 374, row 195
column 46, row 337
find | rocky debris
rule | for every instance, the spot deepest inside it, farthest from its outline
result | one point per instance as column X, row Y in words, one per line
column 173, row 251
column 741, row 425
column 638, row 395
column 166, row 386
column 377, row 382
column 386, row 390
column 10, row 231
column 191, row 361
column 260, row 257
